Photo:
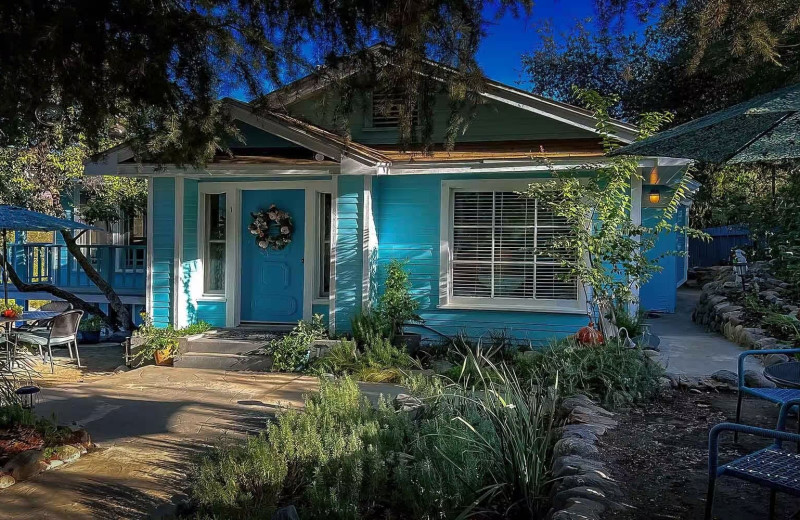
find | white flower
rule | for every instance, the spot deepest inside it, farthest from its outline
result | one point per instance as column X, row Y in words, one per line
column 284, row 230
column 262, row 244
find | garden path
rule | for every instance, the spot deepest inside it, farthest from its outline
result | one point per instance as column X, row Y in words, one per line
column 149, row 424
column 688, row 349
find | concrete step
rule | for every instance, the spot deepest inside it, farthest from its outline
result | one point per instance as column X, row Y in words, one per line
column 219, row 346
column 217, row 361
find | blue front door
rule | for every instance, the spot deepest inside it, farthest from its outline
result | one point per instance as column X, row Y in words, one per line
column 272, row 281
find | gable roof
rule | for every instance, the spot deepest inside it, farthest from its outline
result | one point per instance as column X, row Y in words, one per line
column 306, row 86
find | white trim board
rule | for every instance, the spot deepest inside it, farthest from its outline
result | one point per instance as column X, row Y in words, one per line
column 233, row 192
column 149, row 275
column 178, row 304
column 446, row 300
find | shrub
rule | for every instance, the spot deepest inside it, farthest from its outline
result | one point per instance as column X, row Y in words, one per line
column 379, row 361
column 397, row 307
column 368, row 327
column 162, row 338
column 611, row 373
column 632, row 322
column 291, row 352
column 343, row 458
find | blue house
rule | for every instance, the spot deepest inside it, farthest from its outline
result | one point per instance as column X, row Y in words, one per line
column 356, row 204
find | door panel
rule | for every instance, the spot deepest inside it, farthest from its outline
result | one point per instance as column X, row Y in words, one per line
column 272, row 281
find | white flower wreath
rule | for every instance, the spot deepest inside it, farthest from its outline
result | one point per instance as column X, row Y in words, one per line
column 272, row 228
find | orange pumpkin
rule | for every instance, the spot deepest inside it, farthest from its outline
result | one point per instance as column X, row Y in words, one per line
column 589, row 335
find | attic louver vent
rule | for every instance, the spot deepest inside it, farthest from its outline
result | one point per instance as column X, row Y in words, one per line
column 386, row 107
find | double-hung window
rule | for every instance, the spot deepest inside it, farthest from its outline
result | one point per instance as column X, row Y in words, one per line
column 499, row 243
column 215, row 243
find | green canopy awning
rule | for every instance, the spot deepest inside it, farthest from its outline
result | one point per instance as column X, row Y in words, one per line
column 763, row 129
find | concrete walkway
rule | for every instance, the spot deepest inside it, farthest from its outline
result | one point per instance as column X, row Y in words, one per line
column 149, row 424
column 687, row 348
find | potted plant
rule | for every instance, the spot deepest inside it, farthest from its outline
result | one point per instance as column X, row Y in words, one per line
column 89, row 329
column 158, row 344
column 398, row 308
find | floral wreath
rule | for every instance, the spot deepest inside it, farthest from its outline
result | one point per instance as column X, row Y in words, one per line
column 266, row 221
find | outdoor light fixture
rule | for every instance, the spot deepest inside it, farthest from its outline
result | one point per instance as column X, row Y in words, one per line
column 28, row 396
column 655, row 196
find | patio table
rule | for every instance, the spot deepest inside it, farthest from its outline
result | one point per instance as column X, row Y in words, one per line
column 27, row 316
column 784, row 374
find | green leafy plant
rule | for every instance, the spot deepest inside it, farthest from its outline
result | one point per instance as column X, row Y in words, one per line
column 783, row 326
column 634, row 322
column 379, row 361
column 369, row 327
column 91, row 324
column 397, row 306
column 611, row 373
column 156, row 339
column 291, row 352
column 605, row 248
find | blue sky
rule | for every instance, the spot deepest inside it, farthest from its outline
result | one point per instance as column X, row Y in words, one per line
column 510, row 37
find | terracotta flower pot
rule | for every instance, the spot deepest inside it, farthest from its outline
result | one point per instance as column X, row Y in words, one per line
column 163, row 357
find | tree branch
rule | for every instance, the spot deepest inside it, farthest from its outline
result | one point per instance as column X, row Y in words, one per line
column 58, row 293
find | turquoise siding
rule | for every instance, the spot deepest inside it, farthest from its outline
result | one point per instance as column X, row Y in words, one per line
column 211, row 312
column 349, row 253
column 407, row 226
column 163, row 250
column 191, row 254
column 659, row 294
column 319, row 308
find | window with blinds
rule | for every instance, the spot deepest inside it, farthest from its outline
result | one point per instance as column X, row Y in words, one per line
column 386, row 107
column 496, row 235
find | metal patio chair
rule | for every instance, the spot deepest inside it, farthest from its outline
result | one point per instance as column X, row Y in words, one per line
column 61, row 330
column 774, row 395
column 773, row 467
column 58, row 306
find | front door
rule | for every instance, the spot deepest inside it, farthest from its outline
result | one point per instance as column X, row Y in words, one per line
column 272, row 281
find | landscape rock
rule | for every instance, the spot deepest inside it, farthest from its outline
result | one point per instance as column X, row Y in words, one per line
column 121, row 368
column 286, row 513
column 576, row 431
column 756, row 379
column 583, row 415
column 409, row 403
column 774, row 359
column 25, row 465
column 7, row 480
column 570, row 404
column 573, row 465
column 575, row 446
column 81, row 435
column 579, row 509
column 726, row 376
column 594, row 480
column 584, row 493
column 54, row 463
column 68, row 453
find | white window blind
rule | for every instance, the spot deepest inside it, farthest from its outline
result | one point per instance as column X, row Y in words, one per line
column 495, row 237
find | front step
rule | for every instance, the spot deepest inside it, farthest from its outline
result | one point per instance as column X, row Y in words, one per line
column 224, row 351
column 217, row 361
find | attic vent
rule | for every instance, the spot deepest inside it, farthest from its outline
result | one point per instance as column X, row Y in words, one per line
column 386, row 106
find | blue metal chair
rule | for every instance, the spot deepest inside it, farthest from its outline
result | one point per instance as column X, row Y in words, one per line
column 774, row 395
column 773, row 467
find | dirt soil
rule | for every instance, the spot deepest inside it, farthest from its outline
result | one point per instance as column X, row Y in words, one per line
column 18, row 439
column 659, row 454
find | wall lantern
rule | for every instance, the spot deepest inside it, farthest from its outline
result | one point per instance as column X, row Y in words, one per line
column 655, row 196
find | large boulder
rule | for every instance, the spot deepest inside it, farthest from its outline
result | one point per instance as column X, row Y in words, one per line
column 726, row 376
column 756, row 379
column 25, row 465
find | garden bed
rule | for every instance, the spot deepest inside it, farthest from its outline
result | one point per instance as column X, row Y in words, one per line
column 30, row 445
column 659, row 456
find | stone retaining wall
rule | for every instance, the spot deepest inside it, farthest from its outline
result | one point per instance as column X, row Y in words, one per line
column 718, row 311
column 584, row 489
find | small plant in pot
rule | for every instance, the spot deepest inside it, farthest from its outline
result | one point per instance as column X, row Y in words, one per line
column 398, row 307
column 12, row 310
column 90, row 329
column 158, row 344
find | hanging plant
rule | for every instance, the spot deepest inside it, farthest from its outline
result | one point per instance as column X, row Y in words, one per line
column 273, row 228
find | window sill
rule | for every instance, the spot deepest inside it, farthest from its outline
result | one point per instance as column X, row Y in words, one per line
column 321, row 301
column 212, row 298
column 541, row 309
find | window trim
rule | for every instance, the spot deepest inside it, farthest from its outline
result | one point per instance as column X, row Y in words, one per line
column 203, row 248
column 446, row 298
column 319, row 298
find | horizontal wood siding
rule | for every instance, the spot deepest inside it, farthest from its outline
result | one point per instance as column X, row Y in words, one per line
column 349, row 252
column 212, row 313
column 163, row 250
column 493, row 121
column 407, row 223
column 659, row 294
column 190, row 267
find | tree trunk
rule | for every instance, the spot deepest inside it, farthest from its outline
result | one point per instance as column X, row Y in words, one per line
column 123, row 316
column 58, row 293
